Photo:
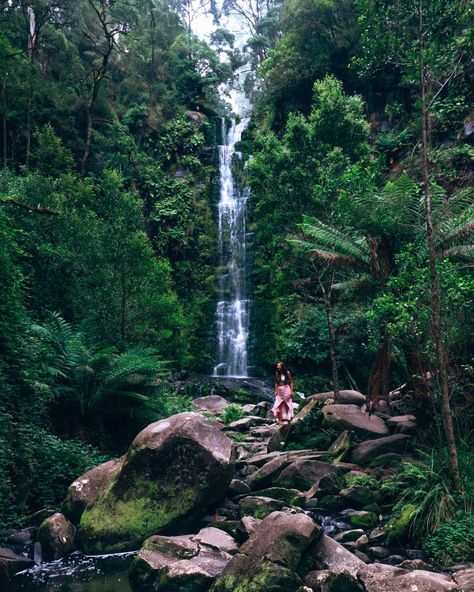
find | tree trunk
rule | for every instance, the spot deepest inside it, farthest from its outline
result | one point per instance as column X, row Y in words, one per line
column 87, row 146
column 4, row 122
column 435, row 299
column 332, row 337
column 379, row 386
column 29, row 103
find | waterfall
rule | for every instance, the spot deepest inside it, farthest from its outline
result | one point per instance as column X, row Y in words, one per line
column 232, row 311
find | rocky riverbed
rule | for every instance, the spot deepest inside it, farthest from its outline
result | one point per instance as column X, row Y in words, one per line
column 241, row 507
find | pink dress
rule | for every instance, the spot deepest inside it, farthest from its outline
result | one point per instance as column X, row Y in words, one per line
column 283, row 403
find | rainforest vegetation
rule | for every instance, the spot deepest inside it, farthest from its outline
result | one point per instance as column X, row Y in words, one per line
column 360, row 161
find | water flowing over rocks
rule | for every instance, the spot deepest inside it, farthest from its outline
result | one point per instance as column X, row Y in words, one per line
column 214, row 511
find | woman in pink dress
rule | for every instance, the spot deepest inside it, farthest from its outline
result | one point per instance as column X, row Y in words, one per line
column 283, row 406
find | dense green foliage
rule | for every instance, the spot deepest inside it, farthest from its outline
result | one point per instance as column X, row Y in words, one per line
column 107, row 240
column 108, row 235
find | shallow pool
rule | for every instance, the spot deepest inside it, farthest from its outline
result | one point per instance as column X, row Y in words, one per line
column 76, row 573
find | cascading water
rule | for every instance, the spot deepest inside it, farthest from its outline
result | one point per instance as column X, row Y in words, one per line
column 232, row 312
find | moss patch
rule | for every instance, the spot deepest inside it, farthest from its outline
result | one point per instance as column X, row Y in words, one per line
column 363, row 520
column 118, row 524
column 398, row 527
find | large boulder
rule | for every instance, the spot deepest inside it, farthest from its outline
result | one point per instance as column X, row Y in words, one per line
column 465, row 579
column 326, row 553
column 378, row 577
column 174, row 469
column 344, row 397
column 56, row 536
column 89, row 487
column 352, row 417
column 304, row 474
column 11, row 563
column 367, row 451
column 186, row 563
column 211, row 404
column 269, row 559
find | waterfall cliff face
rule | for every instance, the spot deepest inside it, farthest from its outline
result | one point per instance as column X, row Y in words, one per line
column 232, row 311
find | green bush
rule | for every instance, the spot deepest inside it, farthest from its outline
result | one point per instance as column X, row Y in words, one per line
column 36, row 469
column 231, row 413
column 309, row 433
column 425, row 483
column 452, row 542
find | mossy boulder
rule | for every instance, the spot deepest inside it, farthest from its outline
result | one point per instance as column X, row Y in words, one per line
column 259, row 506
column 332, row 502
column 360, row 519
column 291, row 497
column 269, row 559
column 87, row 488
column 56, row 535
column 174, row 469
column 398, row 527
column 186, row 563
column 361, row 495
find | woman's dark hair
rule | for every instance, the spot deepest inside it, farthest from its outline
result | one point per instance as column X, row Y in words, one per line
column 283, row 370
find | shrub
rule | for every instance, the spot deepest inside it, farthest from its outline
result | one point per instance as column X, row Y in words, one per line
column 452, row 542
column 309, row 433
column 231, row 413
column 426, row 484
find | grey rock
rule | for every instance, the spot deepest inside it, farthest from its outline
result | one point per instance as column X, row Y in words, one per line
column 174, row 469
column 270, row 557
column 378, row 577
column 238, row 487
column 211, row 404
column 187, row 563
column 326, row 553
column 88, row 488
column 245, row 527
column 465, row 579
column 415, row 564
column 348, row 535
column 304, row 474
column 395, row 559
column 345, row 397
column 327, row 581
column 353, row 418
column 378, row 552
column 56, row 536
column 11, row 563
column 370, row 449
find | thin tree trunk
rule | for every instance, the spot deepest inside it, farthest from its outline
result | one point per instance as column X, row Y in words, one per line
column 434, row 285
column 87, row 146
column 332, row 337
column 4, row 123
column 29, row 108
column 29, row 103
column 379, row 374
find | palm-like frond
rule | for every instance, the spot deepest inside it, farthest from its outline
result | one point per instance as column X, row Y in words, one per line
column 132, row 374
column 354, row 284
column 331, row 240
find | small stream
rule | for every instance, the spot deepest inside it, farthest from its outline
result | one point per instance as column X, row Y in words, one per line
column 76, row 573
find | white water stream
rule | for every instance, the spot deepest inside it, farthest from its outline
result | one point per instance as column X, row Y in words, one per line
column 232, row 311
